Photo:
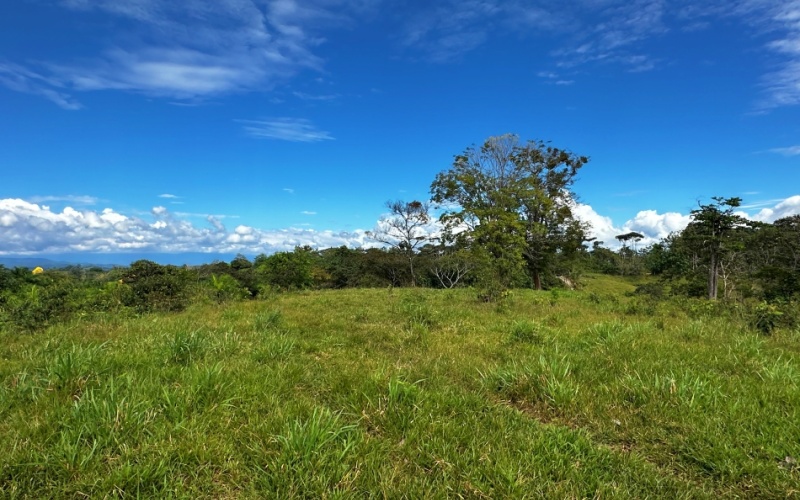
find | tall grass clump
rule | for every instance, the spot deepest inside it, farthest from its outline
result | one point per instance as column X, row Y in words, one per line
column 267, row 321
column 548, row 381
column 529, row 332
column 314, row 457
column 185, row 347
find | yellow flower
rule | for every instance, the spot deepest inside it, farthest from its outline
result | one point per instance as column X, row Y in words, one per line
column 38, row 270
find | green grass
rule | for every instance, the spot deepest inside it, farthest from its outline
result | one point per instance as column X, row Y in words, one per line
column 405, row 393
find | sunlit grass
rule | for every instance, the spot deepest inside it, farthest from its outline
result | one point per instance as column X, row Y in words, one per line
column 405, row 392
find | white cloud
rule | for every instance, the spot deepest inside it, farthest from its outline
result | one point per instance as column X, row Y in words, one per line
column 308, row 212
column 168, row 196
column 288, row 190
column 788, row 151
column 29, row 228
column 787, row 207
column 315, row 97
column 656, row 226
column 75, row 199
column 653, row 225
column 187, row 50
column 285, row 129
column 21, row 79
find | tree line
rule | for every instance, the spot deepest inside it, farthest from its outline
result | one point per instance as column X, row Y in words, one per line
column 505, row 220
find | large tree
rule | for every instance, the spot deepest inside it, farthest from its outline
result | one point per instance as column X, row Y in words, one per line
column 513, row 202
column 711, row 231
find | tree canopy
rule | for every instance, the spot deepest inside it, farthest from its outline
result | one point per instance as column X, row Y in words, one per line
column 512, row 202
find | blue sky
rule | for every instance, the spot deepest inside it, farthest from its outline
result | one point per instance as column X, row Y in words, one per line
column 226, row 126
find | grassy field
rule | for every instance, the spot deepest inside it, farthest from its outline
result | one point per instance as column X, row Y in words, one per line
column 405, row 393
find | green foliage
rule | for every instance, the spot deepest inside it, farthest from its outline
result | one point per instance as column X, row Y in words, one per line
column 157, row 288
column 766, row 317
column 39, row 301
column 225, row 287
column 516, row 201
column 287, row 270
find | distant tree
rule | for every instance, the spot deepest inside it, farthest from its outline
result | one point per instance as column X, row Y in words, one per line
column 630, row 262
column 711, row 227
column 450, row 266
column 625, row 238
column 404, row 228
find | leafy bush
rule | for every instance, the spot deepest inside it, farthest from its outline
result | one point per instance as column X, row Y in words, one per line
column 157, row 288
column 287, row 270
column 654, row 290
column 39, row 303
column 766, row 317
column 225, row 287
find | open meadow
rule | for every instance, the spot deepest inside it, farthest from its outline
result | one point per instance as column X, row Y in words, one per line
column 413, row 393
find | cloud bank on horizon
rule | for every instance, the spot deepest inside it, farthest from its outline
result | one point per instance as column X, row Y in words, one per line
column 28, row 228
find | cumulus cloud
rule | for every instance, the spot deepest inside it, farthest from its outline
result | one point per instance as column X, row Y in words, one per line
column 653, row 225
column 787, row 207
column 29, row 228
column 656, row 226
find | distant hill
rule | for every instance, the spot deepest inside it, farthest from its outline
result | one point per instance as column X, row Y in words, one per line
column 110, row 260
column 32, row 262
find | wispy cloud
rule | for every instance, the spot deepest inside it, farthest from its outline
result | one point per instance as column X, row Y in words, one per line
column 21, row 79
column 789, row 151
column 169, row 196
column 187, row 50
column 288, row 190
column 780, row 20
column 606, row 31
column 308, row 212
column 448, row 30
column 285, row 129
column 76, row 199
column 315, row 97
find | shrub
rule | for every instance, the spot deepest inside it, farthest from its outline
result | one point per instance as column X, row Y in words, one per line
column 225, row 287
column 157, row 288
column 287, row 270
column 765, row 317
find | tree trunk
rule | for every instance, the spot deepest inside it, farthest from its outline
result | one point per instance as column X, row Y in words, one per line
column 712, row 277
column 411, row 268
column 537, row 281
